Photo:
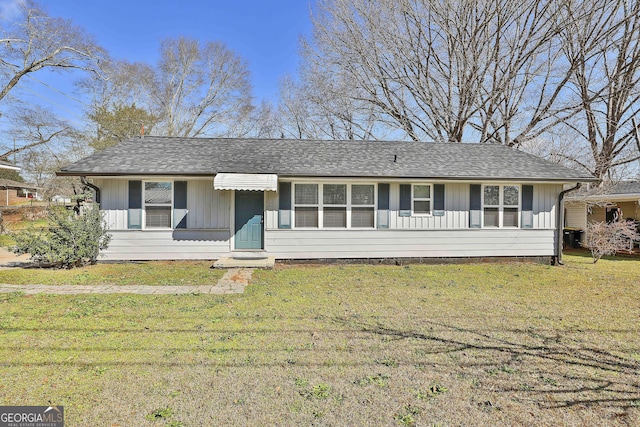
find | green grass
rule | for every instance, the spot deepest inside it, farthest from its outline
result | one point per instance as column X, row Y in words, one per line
column 479, row 344
column 143, row 273
column 15, row 225
column 6, row 241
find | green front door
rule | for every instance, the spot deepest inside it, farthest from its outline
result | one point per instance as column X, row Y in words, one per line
column 249, row 208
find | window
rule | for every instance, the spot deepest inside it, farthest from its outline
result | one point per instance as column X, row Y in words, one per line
column 306, row 205
column 157, row 204
column 334, row 201
column 501, row 205
column 421, row 199
column 362, row 206
column 511, row 205
column 334, row 205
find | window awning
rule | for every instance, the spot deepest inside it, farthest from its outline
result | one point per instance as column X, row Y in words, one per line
column 246, row 181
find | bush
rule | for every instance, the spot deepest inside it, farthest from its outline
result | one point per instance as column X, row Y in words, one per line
column 608, row 239
column 72, row 240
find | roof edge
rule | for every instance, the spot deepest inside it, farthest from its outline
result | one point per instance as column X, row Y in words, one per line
column 379, row 177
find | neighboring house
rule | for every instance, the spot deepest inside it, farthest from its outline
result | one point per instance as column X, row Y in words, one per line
column 182, row 198
column 61, row 200
column 7, row 165
column 15, row 193
column 620, row 201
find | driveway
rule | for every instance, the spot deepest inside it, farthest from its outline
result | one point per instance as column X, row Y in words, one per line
column 9, row 259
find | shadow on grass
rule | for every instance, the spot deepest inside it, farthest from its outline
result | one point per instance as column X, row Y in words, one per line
column 504, row 358
column 614, row 380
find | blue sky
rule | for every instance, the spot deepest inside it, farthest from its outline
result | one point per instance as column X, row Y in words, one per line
column 265, row 33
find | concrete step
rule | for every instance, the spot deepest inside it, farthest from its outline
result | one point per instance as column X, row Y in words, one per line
column 249, row 255
column 234, row 262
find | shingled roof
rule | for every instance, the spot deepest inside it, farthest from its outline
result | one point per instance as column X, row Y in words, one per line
column 7, row 165
column 626, row 187
column 319, row 158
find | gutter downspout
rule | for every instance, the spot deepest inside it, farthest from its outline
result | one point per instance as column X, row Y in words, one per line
column 560, row 222
column 84, row 181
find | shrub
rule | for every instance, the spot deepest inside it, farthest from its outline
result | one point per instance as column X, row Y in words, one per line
column 608, row 239
column 72, row 240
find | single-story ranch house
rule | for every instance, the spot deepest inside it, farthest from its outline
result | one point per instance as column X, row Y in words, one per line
column 15, row 193
column 197, row 198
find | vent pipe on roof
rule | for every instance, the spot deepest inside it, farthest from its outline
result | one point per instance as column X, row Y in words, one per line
column 395, row 158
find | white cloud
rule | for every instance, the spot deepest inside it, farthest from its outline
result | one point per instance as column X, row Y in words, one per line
column 10, row 9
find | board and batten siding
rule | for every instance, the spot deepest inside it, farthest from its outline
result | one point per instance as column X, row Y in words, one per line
column 456, row 215
column 114, row 194
column 206, row 237
column 207, row 208
column 456, row 210
column 448, row 235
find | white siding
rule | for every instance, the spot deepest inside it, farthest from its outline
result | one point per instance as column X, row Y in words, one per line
column 456, row 216
column 575, row 215
column 208, row 234
column 271, row 204
column 422, row 236
column 207, row 208
column 309, row 244
column 545, row 198
column 114, row 202
column 166, row 245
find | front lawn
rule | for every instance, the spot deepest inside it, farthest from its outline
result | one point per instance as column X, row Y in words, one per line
column 449, row 345
column 156, row 273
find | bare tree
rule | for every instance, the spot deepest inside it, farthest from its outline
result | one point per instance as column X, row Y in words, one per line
column 199, row 89
column 448, row 71
column 194, row 90
column 120, row 103
column 318, row 108
column 34, row 41
column 33, row 127
column 266, row 121
column 293, row 110
column 497, row 71
column 609, row 239
column 605, row 45
column 121, row 83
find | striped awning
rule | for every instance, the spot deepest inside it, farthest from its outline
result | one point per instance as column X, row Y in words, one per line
column 246, row 181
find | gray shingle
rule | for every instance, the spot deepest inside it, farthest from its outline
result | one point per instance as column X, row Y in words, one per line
column 625, row 187
column 208, row 156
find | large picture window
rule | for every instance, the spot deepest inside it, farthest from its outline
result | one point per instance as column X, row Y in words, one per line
column 334, row 205
column 501, row 205
column 157, row 204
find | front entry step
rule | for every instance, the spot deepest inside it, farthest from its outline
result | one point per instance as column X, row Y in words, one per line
column 245, row 262
column 249, row 255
